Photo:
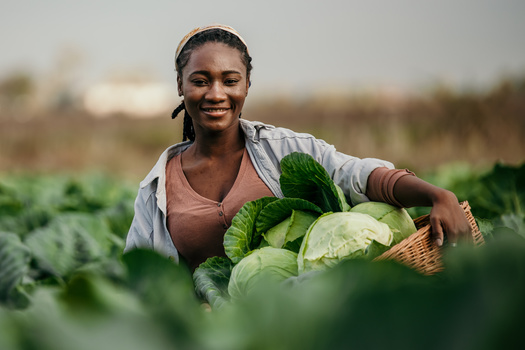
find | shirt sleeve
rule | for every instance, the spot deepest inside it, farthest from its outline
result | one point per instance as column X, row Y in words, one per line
column 381, row 184
column 351, row 173
column 348, row 172
column 140, row 234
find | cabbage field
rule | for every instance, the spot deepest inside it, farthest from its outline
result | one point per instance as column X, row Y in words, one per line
column 65, row 284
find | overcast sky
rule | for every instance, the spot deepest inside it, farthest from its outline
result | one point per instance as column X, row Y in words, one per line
column 296, row 45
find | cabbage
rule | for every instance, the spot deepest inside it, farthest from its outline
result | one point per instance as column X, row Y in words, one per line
column 344, row 235
column 242, row 237
column 290, row 229
column 303, row 177
column 278, row 210
column 264, row 265
column 396, row 218
column 211, row 280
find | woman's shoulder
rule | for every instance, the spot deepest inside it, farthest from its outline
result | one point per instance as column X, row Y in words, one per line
column 277, row 142
column 256, row 130
column 159, row 169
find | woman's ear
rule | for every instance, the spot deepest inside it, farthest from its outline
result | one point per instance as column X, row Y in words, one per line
column 248, row 84
column 179, row 85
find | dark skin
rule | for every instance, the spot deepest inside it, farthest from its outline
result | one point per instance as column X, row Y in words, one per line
column 215, row 84
column 446, row 214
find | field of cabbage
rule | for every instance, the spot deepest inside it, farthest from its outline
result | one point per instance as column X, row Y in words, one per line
column 64, row 283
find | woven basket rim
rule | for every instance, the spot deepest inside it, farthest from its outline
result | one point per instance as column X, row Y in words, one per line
column 420, row 252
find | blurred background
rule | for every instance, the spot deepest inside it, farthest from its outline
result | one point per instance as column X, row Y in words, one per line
column 90, row 85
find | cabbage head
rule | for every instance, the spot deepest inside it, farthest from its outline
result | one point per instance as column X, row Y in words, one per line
column 334, row 237
column 290, row 229
column 264, row 265
column 396, row 218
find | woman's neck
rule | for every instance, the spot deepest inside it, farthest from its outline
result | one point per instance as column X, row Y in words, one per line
column 217, row 145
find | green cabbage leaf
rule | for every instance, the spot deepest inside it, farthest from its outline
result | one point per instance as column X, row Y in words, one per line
column 262, row 266
column 242, row 237
column 289, row 233
column 334, row 237
column 211, row 280
column 396, row 218
column 277, row 211
column 303, row 177
column 14, row 263
column 70, row 241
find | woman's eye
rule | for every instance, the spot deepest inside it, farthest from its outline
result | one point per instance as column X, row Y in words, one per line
column 231, row 81
column 199, row 82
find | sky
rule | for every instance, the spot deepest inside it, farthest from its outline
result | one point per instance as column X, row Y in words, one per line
column 297, row 46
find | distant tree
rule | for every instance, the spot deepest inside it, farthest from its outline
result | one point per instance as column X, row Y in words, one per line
column 16, row 85
column 16, row 90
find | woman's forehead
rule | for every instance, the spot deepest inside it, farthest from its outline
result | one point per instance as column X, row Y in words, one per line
column 197, row 30
column 215, row 56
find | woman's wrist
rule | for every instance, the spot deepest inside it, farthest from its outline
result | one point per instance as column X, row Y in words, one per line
column 412, row 191
column 443, row 196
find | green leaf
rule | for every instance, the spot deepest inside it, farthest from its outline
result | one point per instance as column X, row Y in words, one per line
column 119, row 217
column 277, row 211
column 486, row 227
column 241, row 237
column 396, row 218
column 276, row 235
column 14, row 263
column 338, row 236
column 94, row 293
column 342, row 199
column 514, row 221
column 303, row 177
column 69, row 241
column 289, row 230
column 211, row 280
column 499, row 192
column 375, row 249
column 166, row 289
column 263, row 266
column 10, row 202
column 295, row 245
column 301, row 222
column 29, row 219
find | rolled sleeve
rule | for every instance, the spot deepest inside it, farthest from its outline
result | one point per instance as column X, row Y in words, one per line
column 351, row 173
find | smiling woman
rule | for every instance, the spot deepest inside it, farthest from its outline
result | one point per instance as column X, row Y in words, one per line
column 225, row 36
column 214, row 85
column 187, row 202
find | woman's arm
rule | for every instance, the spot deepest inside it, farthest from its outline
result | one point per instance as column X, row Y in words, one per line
column 446, row 215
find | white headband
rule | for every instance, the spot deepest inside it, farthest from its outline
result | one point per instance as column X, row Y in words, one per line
column 188, row 36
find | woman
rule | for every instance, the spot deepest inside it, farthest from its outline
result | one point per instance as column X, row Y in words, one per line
column 186, row 203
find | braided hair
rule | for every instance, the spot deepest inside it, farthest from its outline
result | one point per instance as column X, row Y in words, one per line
column 187, row 128
column 199, row 39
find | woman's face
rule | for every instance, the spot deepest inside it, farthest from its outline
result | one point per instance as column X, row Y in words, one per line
column 214, row 84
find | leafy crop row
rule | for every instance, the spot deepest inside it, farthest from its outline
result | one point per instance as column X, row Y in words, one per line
column 64, row 283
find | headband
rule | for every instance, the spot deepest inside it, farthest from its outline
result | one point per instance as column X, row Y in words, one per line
column 188, row 36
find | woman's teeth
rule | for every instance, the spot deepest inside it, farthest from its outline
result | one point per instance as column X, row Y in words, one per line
column 215, row 109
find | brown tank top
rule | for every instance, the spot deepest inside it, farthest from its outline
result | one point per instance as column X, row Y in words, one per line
column 197, row 224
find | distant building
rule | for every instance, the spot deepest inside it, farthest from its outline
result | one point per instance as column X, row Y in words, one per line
column 134, row 99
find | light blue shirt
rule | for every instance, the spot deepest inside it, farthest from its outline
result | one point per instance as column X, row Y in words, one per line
column 266, row 145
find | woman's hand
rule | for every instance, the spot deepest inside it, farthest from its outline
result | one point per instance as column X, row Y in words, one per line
column 448, row 218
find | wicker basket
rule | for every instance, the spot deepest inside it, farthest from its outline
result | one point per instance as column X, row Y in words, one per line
column 420, row 252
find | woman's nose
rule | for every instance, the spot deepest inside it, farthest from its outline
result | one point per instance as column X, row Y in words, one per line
column 216, row 92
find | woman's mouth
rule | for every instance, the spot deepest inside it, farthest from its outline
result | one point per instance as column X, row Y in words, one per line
column 215, row 111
